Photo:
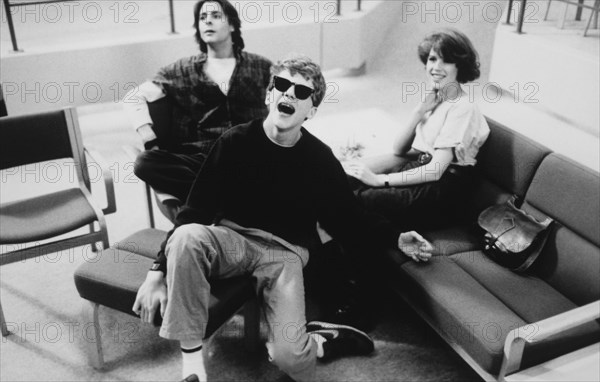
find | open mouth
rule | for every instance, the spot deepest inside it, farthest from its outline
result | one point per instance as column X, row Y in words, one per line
column 286, row 108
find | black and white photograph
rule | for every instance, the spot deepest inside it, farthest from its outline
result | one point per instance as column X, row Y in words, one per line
column 303, row 190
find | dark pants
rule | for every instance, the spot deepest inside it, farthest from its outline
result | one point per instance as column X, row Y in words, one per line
column 169, row 172
column 421, row 206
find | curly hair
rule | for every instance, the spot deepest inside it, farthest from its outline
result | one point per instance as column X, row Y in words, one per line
column 232, row 17
column 304, row 66
column 455, row 48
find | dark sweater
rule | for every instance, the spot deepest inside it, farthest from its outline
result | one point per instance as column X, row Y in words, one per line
column 255, row 183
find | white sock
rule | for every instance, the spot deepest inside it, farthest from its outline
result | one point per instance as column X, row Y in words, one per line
column 192, row 360
column 319, row 339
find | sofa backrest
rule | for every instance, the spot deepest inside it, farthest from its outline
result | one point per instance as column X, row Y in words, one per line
column 506, row 165
column 570, row 193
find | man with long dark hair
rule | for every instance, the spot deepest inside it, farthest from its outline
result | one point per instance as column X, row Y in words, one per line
column 209, row 93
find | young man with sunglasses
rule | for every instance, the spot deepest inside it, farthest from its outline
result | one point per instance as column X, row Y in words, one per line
column 209, row 93
column 253, row 210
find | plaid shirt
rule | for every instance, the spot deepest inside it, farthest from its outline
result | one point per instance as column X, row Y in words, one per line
column 201, row 112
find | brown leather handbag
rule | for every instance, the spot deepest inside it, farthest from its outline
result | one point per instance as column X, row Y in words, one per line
column 513, row 238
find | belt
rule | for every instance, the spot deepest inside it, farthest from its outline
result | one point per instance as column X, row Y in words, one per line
column 459, row 170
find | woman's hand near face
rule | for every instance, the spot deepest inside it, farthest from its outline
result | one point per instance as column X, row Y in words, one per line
column 431, row 100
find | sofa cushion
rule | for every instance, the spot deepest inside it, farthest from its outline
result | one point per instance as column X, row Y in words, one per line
column 510, row 159
column 532, row 299
column 464, row 312
column 526, row 295
column 570, row 193
column 474, row 303
column 452, row 240
column 445, row 242
column 506, row 164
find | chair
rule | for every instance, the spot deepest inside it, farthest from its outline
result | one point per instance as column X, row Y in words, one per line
column 33, row 139
column 160, row 113
column 580, row 4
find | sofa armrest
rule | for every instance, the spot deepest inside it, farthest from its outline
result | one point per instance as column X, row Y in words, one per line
column 516, row 339
column 111, row 204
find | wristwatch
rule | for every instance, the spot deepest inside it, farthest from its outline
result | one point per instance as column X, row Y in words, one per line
column 155, row 267
column 386, row 180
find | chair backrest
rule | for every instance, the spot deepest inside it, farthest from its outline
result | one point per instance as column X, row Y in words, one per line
column 161, row 113
column 40, row 137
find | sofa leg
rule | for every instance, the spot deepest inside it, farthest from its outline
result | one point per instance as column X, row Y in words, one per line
column 251, row 324
column 93, row 338
column 5, row 331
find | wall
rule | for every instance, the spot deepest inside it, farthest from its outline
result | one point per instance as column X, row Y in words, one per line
column 104, row 73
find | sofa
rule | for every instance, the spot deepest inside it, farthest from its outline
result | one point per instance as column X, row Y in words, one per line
column 497, row 320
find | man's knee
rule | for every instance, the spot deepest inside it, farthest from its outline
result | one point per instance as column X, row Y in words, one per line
column 143, row 165
column 190, row 242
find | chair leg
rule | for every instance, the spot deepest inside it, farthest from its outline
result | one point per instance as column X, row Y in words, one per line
column 252, row 325
column 150, row 207
column 93, row 340
column 5, row 331
column 94, row 244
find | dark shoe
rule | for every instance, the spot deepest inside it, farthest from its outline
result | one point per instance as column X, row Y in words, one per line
column 351, row 314
column 191, row 378
column 342, row 340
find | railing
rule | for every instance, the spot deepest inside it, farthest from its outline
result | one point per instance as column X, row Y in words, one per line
column 339, row 6
column 8, row 5
column 523, row 7
column 13, row 37
column 521, row 14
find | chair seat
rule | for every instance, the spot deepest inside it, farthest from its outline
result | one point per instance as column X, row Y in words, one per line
column 115, row 276
column 44, row 216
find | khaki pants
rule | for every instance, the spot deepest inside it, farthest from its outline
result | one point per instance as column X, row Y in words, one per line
column 196, row 253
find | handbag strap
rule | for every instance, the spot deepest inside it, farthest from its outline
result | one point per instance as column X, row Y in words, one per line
column 493, row 239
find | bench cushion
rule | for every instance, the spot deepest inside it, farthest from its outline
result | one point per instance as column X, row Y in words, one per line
column 476, row 303
column 113, row 278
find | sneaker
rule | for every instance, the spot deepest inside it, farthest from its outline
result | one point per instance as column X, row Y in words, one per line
column 191, row 378
column 342, row 340
column 351, row 314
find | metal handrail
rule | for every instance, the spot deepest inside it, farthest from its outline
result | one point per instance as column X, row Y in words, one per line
column 13, row 36
column 580, row 5
column 339, row 6
column 11, row 26
column 521, row 14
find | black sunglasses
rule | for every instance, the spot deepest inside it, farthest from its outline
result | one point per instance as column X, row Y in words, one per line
column 301, row 92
